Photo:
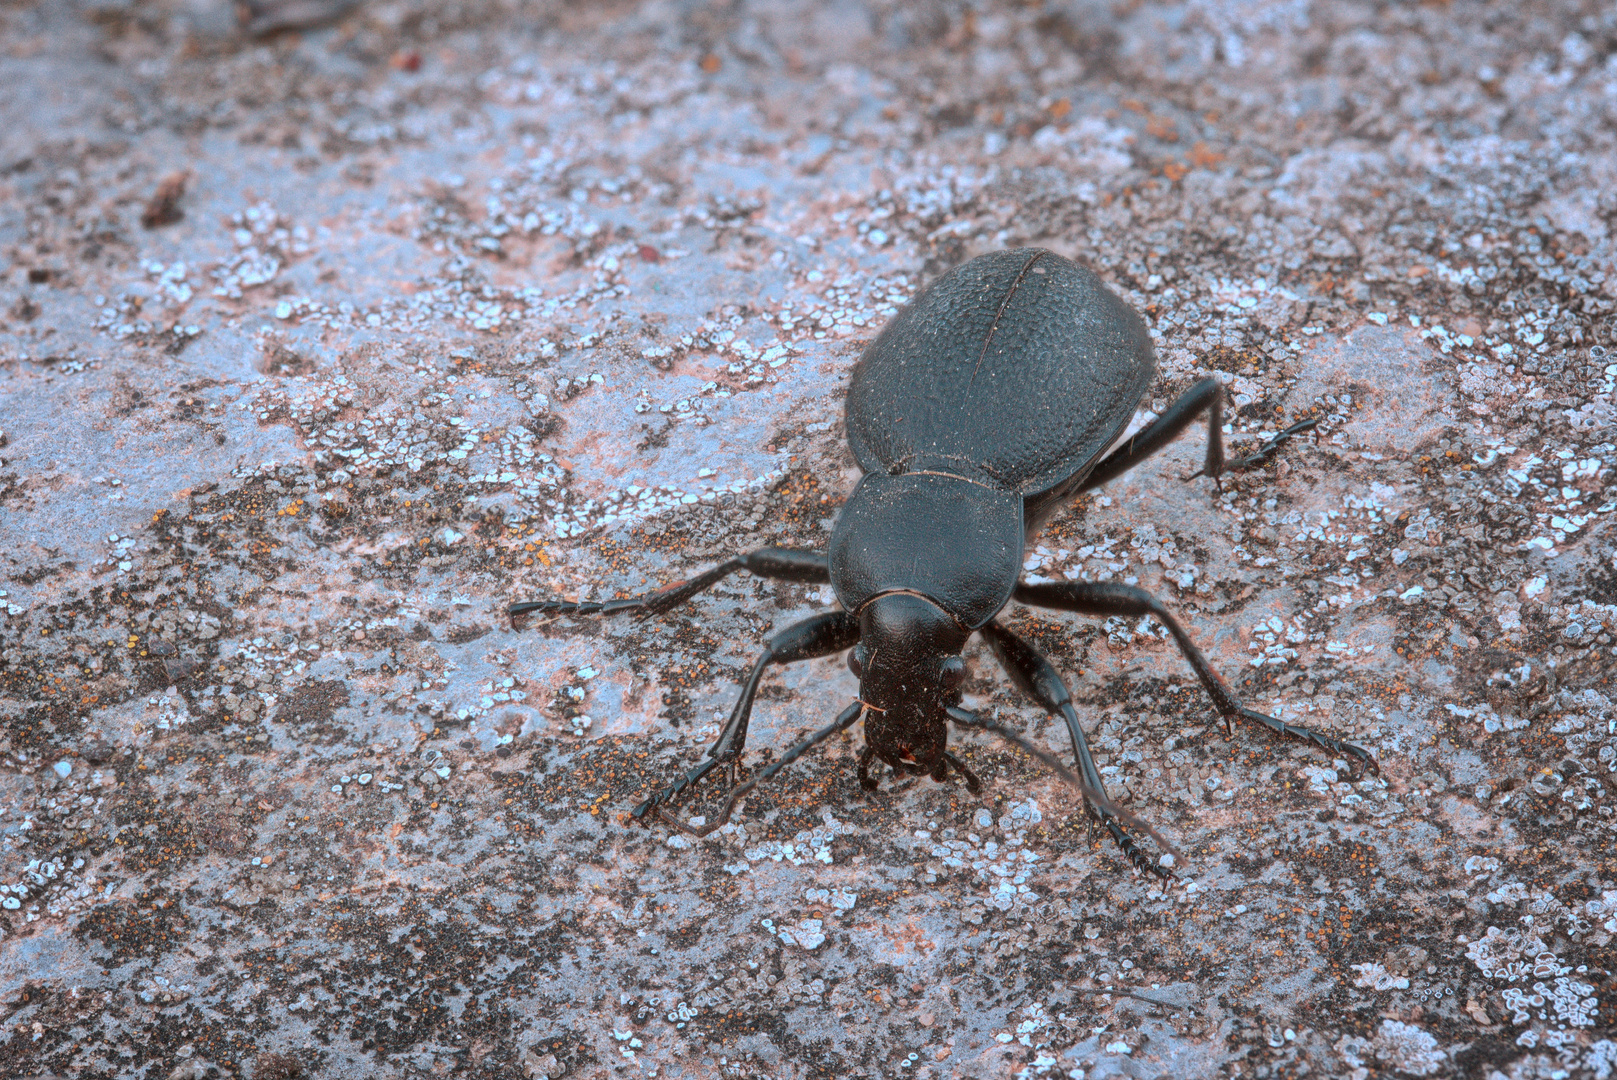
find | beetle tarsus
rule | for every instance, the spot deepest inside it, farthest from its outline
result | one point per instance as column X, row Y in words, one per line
column 573, row 607
column 1267, row 450
column 1036, row 677
column 658, row 802
column 973, row 784
column 1135, row 854
column 783, row 564
column 819, row 635
column 1356, row 755
column 1107, row 598
column 1259, row 456
column 866, row 756
column 655, row 803
column 1207, row 395
column 1093, row 795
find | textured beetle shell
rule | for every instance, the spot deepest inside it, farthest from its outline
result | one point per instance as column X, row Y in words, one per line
column 935, row 519
column 1019, row 366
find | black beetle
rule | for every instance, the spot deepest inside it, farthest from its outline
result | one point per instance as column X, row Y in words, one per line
column 983, row 407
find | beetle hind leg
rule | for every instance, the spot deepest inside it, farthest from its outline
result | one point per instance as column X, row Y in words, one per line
column 1267, row 450
column 1206, row 396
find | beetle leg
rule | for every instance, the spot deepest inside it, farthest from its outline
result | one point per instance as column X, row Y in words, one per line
column 1110, row 598
column 783, row 564
column 973, row 784
column 845, row 720
column 1092, row 795
column 1266, row 451
column 866, row 756
column 820, row 635
column 1036, row 677
column 1206, row 396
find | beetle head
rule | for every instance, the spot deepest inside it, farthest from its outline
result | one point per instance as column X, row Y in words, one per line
column 910, row 672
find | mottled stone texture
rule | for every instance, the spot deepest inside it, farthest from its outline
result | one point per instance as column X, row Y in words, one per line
column 318, row 349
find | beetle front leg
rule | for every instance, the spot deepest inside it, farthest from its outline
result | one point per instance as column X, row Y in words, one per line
column 1036, row 677
column 782, row 564
column 845, row 720
column 820, row 635
column 1206, row 396
column 1108, row 598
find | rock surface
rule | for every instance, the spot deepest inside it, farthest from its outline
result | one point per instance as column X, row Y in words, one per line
column 319, row 348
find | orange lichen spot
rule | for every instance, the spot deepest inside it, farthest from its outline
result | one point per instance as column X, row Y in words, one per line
column 1060, row 108
column 711, row 63
column 1203, row 156
column 1175, row 170
column 1160, row 127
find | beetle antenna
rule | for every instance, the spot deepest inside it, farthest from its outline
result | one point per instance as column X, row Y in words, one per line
column 1097, row 799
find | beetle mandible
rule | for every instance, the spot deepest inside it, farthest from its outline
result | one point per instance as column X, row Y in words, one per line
column 983, row 407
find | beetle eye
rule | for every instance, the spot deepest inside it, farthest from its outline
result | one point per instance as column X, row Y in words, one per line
column 856, row 660
column 954, row 673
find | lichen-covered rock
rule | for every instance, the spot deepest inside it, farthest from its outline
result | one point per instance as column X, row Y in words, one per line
column 319, row 348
